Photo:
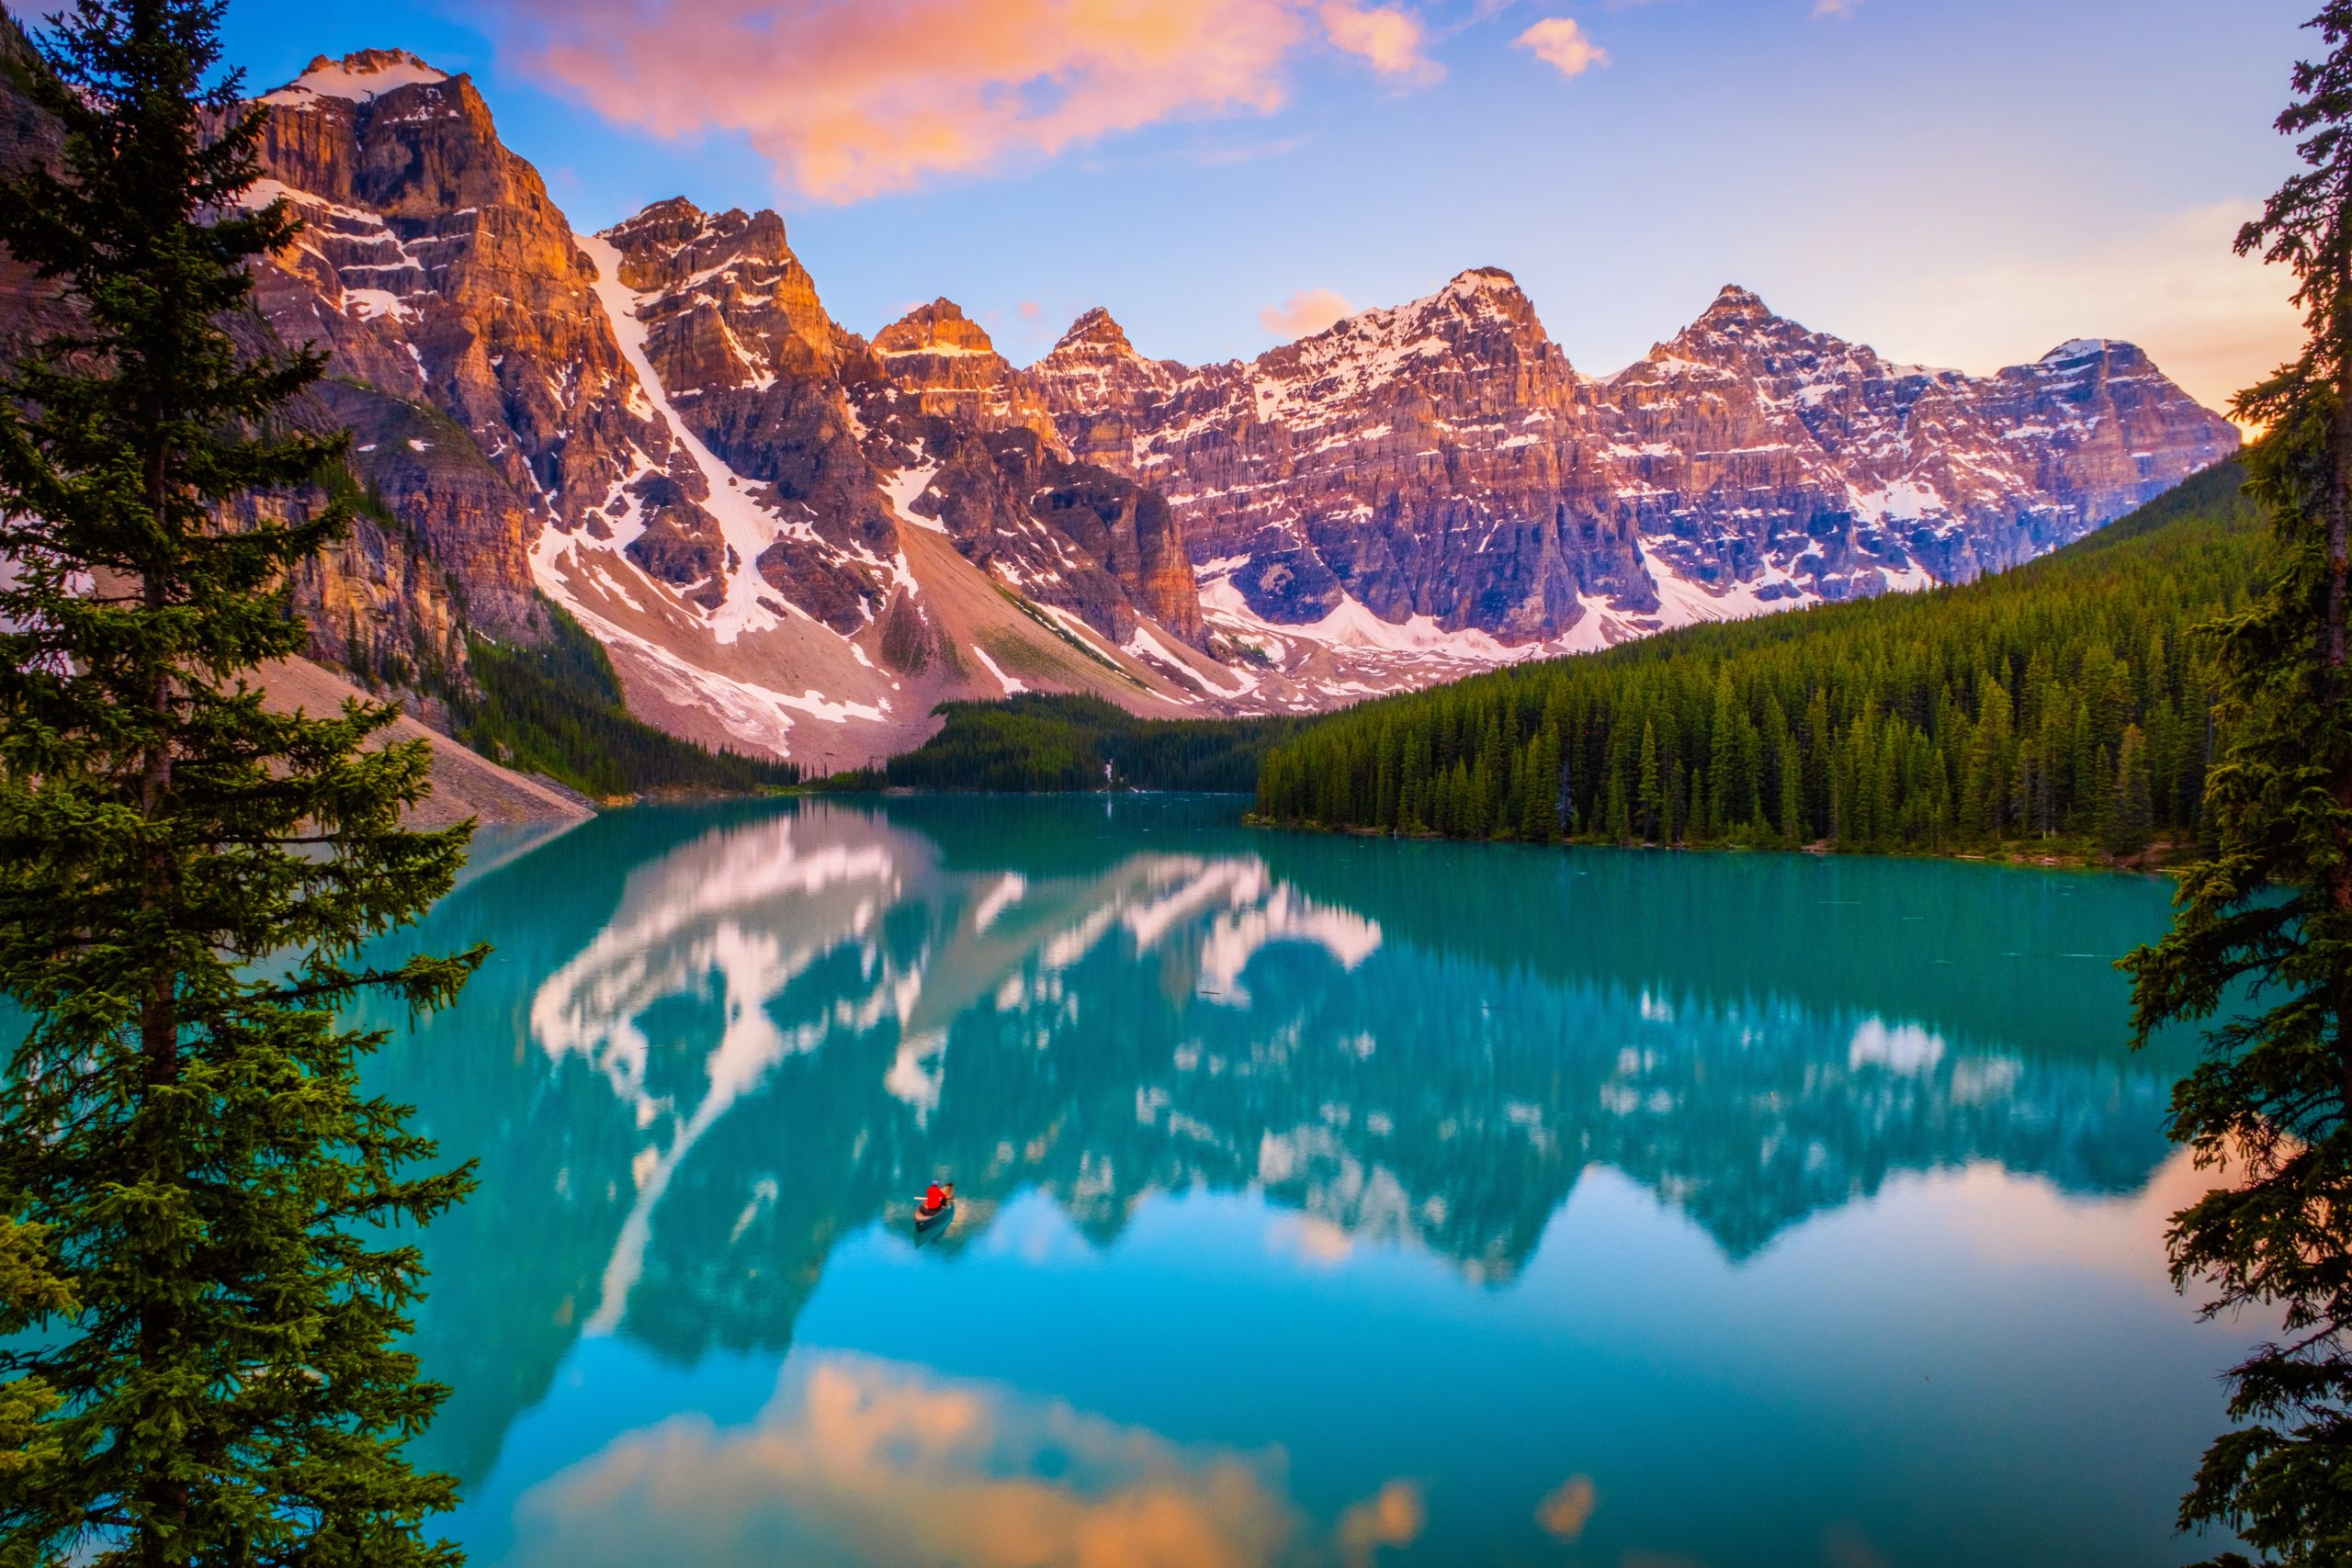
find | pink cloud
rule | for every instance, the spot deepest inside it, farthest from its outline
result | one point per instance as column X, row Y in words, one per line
column 853, row 98
column 1386, row 37
column 1561, row 44
column 1567, row 1508
column 1392, row 1517
column 1307, row 311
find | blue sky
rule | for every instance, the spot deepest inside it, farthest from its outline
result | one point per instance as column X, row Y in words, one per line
column 1956, row 182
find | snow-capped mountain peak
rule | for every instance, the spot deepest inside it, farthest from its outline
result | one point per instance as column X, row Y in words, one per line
column 358, row 77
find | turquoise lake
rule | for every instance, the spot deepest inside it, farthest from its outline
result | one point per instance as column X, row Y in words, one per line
column 1320, row 1201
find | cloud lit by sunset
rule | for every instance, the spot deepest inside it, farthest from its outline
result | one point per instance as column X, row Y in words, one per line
column 854, row 101
column 1560, row 43
column 1307, row 311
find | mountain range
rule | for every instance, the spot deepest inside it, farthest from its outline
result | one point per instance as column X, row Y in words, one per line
column 796, row 540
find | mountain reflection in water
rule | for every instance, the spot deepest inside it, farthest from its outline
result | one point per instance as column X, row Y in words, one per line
column 717, row 1045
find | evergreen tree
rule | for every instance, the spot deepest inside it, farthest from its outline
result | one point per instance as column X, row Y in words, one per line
column 2134, row 813
column 1922, row 720
column 1649, row 795
column 2265, row 924
column 204, row 1301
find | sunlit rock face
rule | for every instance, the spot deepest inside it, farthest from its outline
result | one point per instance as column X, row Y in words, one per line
column 437, row 272
column 1442, row 460
column 750, row 363
column 1101, row 390
column 661, row 429
column 1009, row 491
column 949, row 366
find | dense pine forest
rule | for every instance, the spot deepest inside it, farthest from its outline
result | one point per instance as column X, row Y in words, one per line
column 2062, row 706
column 1039, row 744
column 558, row 710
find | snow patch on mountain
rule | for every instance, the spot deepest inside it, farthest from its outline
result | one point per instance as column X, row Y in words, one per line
column 904, row 488
column 1008, row 682
column 748, row 529
column 356, row 78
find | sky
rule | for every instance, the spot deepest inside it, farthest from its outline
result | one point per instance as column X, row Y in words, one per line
column 1963, row 183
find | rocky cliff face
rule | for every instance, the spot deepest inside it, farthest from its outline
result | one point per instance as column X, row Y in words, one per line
column 662, row 430
column 945, row 362
column 377, row 602
column 1441, row 467
column 1101, row 390
column 748, row 360
column 927, row 427
column 1759, row 456
column 1008, row 489
column 1417, row 462
column 439, row 275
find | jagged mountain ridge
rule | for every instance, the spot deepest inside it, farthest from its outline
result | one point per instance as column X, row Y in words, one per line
column 1441, row 463
column 792, row 539
column 674, row 441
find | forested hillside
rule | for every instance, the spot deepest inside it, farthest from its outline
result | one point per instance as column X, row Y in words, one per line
column 1036, row 744
column 2062, row 704
column 558, row 709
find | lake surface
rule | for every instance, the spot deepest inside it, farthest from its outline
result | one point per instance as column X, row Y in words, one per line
column 1319, row 1200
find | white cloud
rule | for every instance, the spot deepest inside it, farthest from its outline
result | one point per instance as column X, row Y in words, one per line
column 1561, row 44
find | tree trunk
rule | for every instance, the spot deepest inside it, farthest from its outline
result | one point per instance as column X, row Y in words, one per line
column 2332, row 658
column 159, row 1033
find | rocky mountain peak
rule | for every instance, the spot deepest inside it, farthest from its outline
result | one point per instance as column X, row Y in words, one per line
column 1095, row 333
column 1479, row 281
column 1734, row 303
column 1480, row 326
column 674, row 221
column 1480, row 299
column 1096, row 384
column 360, row 77
column 1739, row 315
column 939, row 328
column 1739, row 336
column 2078, row 352
column 675, row 242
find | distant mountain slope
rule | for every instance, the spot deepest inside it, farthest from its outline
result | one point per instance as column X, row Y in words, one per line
column 1442, row 464
column 2064, row 702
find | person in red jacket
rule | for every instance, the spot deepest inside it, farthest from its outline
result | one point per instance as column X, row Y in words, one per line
column 936, row 1197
